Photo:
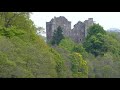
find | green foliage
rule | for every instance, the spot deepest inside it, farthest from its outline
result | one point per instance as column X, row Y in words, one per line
column 112, row 44
column 24, row 54
column 60, row 66
column 79, row 66
column 65, row 55
column 80, row 49
column 74, row 61
column 67, row 44
column 8, row 19
column 57, row 36
column 95, row 42
column 95, row 29
column 29, row 59
column 10, row 32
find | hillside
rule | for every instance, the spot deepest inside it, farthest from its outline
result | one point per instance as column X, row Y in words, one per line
column 25, row 54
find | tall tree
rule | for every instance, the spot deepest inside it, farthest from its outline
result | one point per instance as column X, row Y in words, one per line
column 95, row 41
column 7, row 18
column 57, row 36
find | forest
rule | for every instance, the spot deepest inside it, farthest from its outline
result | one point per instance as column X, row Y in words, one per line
column 25, row 54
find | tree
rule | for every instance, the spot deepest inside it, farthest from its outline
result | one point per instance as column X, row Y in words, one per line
column 95, row 41
column 79, row 66
column 57, row 36
column 67, row 44
column 7, row 18
column 95, row 29
column 20, row 55
column 80, row 49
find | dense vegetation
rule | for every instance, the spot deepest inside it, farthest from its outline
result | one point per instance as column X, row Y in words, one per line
column 25, row 54
column 97, row 57
column 57, row 36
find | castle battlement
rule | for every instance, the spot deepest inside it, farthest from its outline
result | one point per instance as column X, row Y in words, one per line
column 77, row 34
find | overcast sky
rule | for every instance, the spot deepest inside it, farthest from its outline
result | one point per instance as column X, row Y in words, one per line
column 106, row 19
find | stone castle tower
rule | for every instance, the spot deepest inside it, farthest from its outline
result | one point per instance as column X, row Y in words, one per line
column 77, row 34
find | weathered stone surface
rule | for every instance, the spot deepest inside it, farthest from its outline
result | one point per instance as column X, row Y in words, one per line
column 54, row 23
column 77, row 34
column 88, row 23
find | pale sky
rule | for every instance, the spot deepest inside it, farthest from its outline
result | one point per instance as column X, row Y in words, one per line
column 106, row 19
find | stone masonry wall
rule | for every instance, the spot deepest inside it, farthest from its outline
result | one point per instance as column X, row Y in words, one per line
column 77, row 34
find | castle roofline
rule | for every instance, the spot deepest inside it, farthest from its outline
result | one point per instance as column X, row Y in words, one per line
column 79, row 22
column 90, row 18
column 60, row 17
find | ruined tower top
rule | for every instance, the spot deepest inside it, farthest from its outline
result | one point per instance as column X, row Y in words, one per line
column 78, row 33
column 61, row 19
column 55, row 23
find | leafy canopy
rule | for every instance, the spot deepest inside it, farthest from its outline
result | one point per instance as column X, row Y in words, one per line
column 95, row 41
column 57, row 36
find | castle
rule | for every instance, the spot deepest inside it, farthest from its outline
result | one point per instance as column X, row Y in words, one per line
column 77, row 34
